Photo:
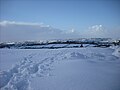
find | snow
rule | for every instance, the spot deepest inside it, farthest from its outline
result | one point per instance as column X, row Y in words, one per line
column 90, row 68
column 117, row 51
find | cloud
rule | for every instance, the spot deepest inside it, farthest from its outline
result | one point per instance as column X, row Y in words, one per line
column 71, row 31
column 100, row 31
column 21, row 31
column 5, row 23
column 96, row 27
column 96, row 31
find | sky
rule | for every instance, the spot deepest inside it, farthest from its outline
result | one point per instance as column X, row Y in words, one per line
column 67, row 15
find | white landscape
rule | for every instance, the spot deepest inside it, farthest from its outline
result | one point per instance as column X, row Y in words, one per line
column 59, row 44
column 87, row 68
column 34, row 56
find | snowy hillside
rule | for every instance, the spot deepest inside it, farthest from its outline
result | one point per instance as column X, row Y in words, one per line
column 87, row 68
column 61, row 43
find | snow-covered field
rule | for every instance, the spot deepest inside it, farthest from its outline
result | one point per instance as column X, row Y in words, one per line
column 90, row 68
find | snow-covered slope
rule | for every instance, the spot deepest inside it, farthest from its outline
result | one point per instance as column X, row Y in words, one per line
column 89, row 68
column 116, row 51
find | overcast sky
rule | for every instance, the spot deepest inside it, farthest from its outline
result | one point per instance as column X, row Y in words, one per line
column 71, row 18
